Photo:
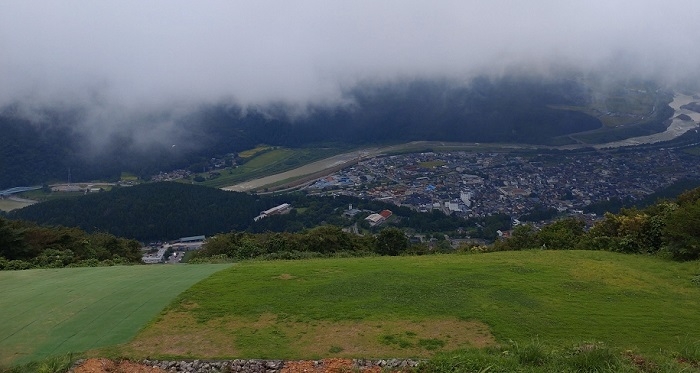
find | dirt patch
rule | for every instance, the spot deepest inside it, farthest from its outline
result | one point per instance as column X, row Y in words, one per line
column 109, row 366
column 333, row 365
column 179, row 334
column 286, row 276
column 328, row 366
column 390, row 338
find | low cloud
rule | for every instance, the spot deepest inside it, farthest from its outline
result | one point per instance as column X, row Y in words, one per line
column 122, row 61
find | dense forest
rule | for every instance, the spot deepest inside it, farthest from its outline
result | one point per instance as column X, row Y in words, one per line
column 25, row 245
column 55, row 143
column 167, row 210
column 150, row 211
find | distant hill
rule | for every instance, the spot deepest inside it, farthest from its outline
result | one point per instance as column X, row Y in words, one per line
column 167, row 210
column 52, row 145
column 150, row 211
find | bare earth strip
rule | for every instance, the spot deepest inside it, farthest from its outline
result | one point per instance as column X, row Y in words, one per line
column 179, row 334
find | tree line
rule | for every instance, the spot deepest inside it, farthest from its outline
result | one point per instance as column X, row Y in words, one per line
column 667, row 228
column 321, row 241
column 25, row 245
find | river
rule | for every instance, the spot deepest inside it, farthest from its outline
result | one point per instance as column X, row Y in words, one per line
column 677, row 128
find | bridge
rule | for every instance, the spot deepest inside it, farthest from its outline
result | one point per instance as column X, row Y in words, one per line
column 15, row 190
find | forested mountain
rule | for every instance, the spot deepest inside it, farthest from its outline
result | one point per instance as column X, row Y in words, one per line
column 166, row 210
column 510, row 109
column 150, row 211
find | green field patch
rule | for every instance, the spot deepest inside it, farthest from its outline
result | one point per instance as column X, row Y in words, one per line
column 271, row 161
column 127, row 176
column 51, row 312
column 562, row 297
column 255, row 151
column 9, row 205
column 694, row 150
column 43, row 196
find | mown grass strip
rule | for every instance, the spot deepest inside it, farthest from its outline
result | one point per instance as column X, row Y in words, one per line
column 51, row 312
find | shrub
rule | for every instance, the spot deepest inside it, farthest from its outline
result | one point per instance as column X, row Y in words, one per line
column 533, row 354
column 688, row 352
column 55, row 364
column 591, row 357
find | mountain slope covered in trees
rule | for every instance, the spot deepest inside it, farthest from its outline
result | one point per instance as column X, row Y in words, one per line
column 169, row 210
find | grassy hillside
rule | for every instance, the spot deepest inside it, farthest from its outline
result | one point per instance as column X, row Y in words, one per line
column 415, row 306
column 50, row 312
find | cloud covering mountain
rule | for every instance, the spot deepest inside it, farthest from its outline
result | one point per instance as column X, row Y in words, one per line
column 118, row 56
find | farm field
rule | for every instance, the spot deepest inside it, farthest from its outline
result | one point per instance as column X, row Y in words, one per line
column 9, row 205
column 55, row 311
column 417, row 306
column 266, row 162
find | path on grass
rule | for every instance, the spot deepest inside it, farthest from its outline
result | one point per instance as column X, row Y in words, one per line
column 56, row 311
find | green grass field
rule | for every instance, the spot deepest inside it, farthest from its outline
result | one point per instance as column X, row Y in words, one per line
column 270, row 162
column 55, row 311
column 415, row 306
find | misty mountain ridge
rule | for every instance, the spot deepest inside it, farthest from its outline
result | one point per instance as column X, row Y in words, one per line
column 516, row 109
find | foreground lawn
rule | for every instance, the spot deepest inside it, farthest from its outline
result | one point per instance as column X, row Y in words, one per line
column 415, row 306
column 54, row 311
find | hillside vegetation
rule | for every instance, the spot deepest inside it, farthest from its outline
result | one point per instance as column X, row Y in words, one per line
column 169, row 210
column 25, row 245
column 668, row 228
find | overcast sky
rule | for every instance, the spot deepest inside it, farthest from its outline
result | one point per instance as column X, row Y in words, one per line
column 132, row 53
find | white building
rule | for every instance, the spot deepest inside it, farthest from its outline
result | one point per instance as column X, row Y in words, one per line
column 277, row 210
column 154, row 258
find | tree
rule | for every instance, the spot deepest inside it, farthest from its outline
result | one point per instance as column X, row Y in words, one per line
column 327, row 239
column 523, row 237
column 563, row 234
column 681, row 232
column 12, row 245
column 391, row 241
